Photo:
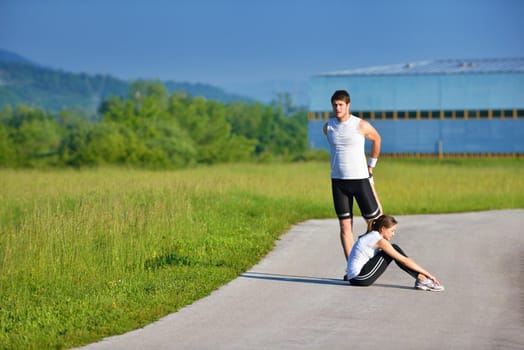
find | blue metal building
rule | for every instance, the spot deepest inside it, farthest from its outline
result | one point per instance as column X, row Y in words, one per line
column 431, row 107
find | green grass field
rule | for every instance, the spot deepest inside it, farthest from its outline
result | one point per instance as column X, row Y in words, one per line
column 86, row 254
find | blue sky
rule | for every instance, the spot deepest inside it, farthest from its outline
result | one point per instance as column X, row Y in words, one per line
column 233, row 42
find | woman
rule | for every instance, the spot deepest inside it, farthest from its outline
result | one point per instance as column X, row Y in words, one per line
column 372, row 253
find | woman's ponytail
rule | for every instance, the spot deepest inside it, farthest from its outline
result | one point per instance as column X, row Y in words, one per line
column 383, row 221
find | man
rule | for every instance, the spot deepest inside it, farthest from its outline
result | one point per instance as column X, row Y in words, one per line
column 351, row 175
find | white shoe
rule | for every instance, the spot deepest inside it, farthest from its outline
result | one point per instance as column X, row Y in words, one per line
column 428, row 285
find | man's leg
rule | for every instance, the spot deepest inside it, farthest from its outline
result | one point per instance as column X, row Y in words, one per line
column 368, row 203
column 346, row 235
column 343, row 207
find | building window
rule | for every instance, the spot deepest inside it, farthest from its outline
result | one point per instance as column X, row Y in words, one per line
column 483, row 114
column 428, row 114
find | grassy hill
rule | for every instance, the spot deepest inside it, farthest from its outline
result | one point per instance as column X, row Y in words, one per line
column 25, row 82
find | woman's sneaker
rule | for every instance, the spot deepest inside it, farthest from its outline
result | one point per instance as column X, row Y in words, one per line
column 428, row 285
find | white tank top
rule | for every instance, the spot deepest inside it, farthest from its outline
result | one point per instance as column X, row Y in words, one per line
column 346, row 143
column 362, row 251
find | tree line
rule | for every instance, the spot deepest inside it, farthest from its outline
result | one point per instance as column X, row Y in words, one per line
column 151, row 128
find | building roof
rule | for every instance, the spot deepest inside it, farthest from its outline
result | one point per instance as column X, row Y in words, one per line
column 451, row 66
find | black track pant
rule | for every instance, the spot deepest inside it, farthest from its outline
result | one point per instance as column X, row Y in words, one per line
column 376, row 266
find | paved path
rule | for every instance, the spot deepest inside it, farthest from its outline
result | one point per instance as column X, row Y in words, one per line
column 294, row 298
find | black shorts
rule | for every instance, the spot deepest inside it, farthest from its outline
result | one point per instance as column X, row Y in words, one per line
column 345, row 190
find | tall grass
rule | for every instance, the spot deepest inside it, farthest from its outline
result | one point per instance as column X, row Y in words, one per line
column 419, row 186
column 86, row 254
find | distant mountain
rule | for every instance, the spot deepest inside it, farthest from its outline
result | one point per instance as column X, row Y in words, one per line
column 25, row 82
column 210, row 92
column 268, row 91
column 7, row 56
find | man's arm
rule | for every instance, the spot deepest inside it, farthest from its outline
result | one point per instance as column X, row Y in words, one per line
column 324, row 129
column 371, row 134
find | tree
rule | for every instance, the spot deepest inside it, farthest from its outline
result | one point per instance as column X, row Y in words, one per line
column 167, row 145
column 150, row 98
column 73, row 146
column 7, row 154
column 35, row 136
column 206, row 124
column 104, row 144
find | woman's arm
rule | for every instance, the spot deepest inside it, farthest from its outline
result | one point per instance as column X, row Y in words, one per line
column 404, row 260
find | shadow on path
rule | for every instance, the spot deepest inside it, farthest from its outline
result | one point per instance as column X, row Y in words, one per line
column 308, row 279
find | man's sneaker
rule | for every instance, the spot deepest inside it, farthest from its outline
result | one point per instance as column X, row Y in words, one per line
column 428, row 285
column 345, row 278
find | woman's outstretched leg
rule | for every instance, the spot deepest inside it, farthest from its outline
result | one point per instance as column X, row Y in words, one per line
column 377, row 265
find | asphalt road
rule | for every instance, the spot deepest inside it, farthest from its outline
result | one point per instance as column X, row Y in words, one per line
column 295, row 299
